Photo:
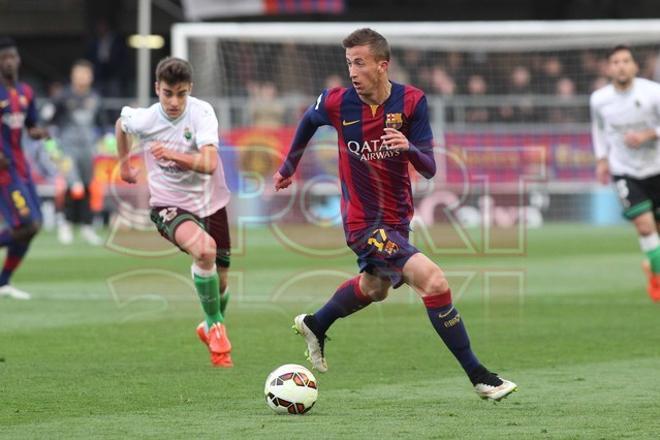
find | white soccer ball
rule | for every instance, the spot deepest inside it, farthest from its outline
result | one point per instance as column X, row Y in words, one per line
column 291, row 389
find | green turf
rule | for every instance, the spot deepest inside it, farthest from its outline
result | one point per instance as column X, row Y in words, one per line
column 107, row 349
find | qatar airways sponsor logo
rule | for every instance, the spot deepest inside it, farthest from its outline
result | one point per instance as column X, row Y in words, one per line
column 371, row 150
column 14, row 120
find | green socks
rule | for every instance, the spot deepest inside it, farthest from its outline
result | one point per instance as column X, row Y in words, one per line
column 650, row 245
column 207, row 284
column 224, row 299
column 654, row 259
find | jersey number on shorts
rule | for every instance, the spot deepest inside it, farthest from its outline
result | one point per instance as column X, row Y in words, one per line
column 374, row 241
column 622, row 189
column 167, row 214
column 20, row 203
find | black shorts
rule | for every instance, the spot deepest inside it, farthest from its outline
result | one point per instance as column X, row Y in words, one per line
column 168, row 219
column 638, row 196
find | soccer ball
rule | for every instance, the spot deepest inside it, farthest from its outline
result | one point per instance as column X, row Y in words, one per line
column 291, row 389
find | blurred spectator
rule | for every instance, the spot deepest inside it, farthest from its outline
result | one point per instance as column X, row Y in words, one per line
column 520, row 86
column 441, row 82
column 77, row 114
column 567, row 111
column 551, row 70
column 265, row 108
column 476, row 86
column 108, row 53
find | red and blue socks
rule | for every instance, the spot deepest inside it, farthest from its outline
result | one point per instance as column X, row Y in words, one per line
column 347, row 300
column 448, row 324
column 15, row 254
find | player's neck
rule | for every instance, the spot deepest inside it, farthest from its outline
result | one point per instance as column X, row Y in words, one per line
column 9, row 83
column 623, row 87
column 381, row 94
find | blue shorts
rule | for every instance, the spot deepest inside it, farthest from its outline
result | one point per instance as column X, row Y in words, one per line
column 382, row 251
column 19, row 203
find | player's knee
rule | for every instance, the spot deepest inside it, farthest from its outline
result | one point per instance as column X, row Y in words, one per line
column 377, row 291
column 437, row 284
column 645, row 229
column 377, row 294
column 208, row 254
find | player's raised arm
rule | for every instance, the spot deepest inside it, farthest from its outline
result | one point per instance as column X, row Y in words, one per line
column 128, row 173
column 313, row 118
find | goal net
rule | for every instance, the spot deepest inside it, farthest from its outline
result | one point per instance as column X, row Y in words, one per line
column 508, row 104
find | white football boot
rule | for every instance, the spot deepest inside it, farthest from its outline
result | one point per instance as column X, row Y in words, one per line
column 315, row 345
column 12, row 292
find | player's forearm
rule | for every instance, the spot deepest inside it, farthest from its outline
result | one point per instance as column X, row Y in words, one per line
column 204, row 163
column 304, row 133
column 123, row 142
column 421, row 157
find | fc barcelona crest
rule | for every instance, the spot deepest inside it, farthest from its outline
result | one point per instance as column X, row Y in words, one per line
column 394, row 120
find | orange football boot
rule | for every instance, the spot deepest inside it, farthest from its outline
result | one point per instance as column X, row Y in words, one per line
column 217, row 343
column 653, row 287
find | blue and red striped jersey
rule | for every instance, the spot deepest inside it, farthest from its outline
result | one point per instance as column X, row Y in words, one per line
column 375, row 183
column 17, row 111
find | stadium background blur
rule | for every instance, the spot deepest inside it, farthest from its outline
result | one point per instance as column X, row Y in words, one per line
column 106, row 347
column 510, row 97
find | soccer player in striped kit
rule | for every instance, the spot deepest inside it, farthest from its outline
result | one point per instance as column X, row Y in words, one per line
column 382, row 126
column 179, row 135
column 19, row 202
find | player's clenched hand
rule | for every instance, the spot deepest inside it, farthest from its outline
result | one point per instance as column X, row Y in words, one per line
column 634, row 139
column 161, row 152
column 128, row 173
column 281, row 182
column 4, row 162
column 393, row 139
column 603, row 171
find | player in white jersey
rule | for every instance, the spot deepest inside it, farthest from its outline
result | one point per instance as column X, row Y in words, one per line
column 179, row 137
column 626, row 131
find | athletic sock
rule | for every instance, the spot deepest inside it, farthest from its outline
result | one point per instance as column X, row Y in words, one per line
column 224, row 300
column 347, row 299
column 650, row 245
column 449, row 326
column 15, row 254
column 207, row 284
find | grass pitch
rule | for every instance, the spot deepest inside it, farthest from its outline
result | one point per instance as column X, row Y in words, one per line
column 107, row 347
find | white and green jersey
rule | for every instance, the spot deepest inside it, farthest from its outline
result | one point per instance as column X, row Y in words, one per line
column 169, row 184
column 613, row 114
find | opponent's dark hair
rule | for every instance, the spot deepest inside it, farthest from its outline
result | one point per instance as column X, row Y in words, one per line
column 369, row 37
column 173, row 70
column 82, row 63
column 619, row 48
column 6, row 42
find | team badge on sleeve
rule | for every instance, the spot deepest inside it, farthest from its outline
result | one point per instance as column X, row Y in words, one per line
column 394, row 120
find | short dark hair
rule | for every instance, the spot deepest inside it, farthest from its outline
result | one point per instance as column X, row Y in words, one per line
column 6, row 42
column 369, row 37
column 82, row 63
column 619, row 48
column 173, row 70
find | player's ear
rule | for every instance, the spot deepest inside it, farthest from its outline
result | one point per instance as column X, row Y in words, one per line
column 383, row 65
column 190, row 89
column 156, row 88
